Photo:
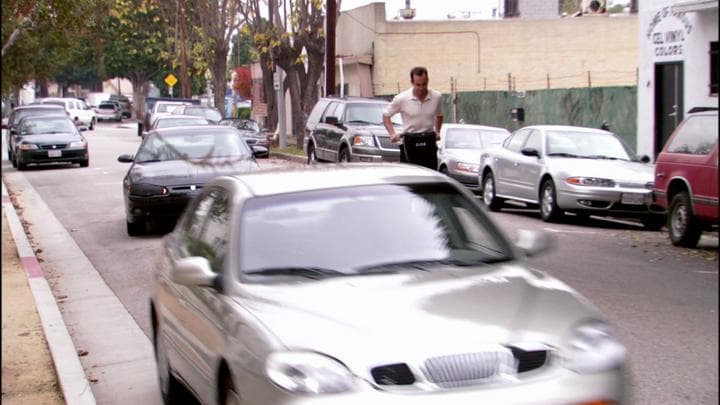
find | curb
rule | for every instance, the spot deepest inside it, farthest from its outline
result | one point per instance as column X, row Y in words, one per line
column 71, row 376
column 287, row 156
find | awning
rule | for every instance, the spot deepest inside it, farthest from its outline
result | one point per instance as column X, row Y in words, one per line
column 695, row 5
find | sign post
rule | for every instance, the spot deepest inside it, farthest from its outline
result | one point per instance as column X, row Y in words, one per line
column 170, row 80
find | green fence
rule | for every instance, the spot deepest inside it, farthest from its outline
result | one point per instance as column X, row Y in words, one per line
column 587, row 107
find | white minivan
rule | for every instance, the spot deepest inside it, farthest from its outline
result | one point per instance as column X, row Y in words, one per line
column 80, row 113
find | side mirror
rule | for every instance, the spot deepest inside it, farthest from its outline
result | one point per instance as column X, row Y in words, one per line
column 533, row 243
column 126, row 158
column 193, row 271
column 645, row 159
column 259, row 150
column 530, row 152
column 331, row 120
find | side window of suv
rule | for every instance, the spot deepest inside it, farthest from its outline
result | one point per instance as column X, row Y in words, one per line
column 316, row 113
column 330, row 111
column 697, row 136
column 517, row 140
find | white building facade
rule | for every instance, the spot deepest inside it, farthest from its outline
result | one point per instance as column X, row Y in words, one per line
column 677, row 68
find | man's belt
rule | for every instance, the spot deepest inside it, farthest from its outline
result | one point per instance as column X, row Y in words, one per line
column 417, row 134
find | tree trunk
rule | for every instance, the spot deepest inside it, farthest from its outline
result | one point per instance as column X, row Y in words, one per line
column 219, row 68
column 298, row 116
column 268, row 89
column 140, row 91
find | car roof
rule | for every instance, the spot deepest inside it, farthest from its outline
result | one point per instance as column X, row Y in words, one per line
column 328, row 176
column 193, row 129
column 44, row 117
column 176, row 116
column 36, row 106
column 473, row 126
column 350, row 99
column 563, row 128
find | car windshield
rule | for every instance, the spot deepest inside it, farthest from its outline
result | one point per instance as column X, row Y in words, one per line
column 107, row 106
column 46, row 125
column 598, row 145
column 368, row 113
column 165, row 107
column 471, row 138
column 204, row 112
column 177, row 122
column 20, row 114
column 162, row 147
column 60, row 103
column 365, row 230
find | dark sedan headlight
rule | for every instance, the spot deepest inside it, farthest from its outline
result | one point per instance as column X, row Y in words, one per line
column 27, row 146
column 594, row 348
column 473, row 168
column 147, row 190
column 308, row 373
column 590, row 181
column 77, row 144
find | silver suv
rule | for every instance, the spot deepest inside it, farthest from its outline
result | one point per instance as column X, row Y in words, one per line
column 349, row 129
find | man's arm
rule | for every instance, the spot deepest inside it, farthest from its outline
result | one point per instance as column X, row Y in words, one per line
column 438, row 124
column 390, row 129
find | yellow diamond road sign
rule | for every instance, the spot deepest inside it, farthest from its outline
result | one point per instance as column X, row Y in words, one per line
column 170, row 80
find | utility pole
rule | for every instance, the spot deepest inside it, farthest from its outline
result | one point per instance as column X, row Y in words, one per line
column 184, row 79
column 330, row 47
column 278, row 84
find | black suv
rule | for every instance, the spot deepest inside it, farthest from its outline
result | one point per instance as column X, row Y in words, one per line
column 349, row 129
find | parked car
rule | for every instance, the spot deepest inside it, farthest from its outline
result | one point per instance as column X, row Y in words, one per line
column 564, row 168
column 172, row 165
column 80, row 113
column 303, row 286
column 172, row 120
column 48, row 139
column 686, row 178
column 18, row 113
column 125, row 104
column 108, row 111
column 251, row 132
column 160, row 108
column 460, row 147
column 209, row 113
column 348, row 130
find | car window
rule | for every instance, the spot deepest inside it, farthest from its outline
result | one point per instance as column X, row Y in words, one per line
column 317, row 112
column 208, row 229
column 192, row 224
column 365, row 113
column 534, row 141
column 330, row 111
column 159, row 147
column 516, row 142
column 36, row 126
column 697, row 136
column 587, row 144
column 176, row 122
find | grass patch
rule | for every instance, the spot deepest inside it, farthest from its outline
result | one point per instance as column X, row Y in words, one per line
column 290, row 150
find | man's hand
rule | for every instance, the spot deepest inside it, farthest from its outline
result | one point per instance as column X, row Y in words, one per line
column 394, row 138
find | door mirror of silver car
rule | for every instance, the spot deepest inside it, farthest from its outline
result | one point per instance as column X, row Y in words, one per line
column 645, row 159
column 533, row 243
column 331, row 120
column 530, row 152
column 126, row 158
column 193, row 271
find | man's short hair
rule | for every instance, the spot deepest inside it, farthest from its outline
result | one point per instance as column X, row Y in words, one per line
column 418, row 71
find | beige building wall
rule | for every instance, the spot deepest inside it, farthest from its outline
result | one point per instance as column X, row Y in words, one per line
column 511, row 54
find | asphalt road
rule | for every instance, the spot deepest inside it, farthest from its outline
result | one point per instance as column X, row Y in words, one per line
column 662, row 300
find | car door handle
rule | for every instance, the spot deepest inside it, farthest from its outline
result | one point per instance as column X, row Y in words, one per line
column 660, row 174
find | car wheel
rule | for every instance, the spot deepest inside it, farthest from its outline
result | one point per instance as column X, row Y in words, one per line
column 344, row 156
column 228, row 393
column 653, row 222
column 489, row 198
column 170, row 389
column 683, row 227
column 136, row 228
column 92, row 124
column 311, row 156
column 11, row 157
column 549, row 210
column 85, row 163
column 19, row 164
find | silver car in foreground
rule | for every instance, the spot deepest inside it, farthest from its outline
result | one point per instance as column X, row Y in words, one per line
column 460, row 147
column 368, row 284
column 563, row 168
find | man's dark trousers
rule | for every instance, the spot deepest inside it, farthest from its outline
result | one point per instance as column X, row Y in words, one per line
column 420, row 149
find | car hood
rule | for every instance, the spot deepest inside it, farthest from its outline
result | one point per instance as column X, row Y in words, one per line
column 50, row 138
column 464, row 155
column 614, row 169
column 385, row 318
column 172, row 172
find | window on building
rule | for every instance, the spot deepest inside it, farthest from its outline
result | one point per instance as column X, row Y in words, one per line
column 714, row 68
column 511, row 8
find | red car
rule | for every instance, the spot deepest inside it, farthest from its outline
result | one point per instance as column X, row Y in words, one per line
column 686, row 178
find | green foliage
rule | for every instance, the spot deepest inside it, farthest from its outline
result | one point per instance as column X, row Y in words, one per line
column 242, row 51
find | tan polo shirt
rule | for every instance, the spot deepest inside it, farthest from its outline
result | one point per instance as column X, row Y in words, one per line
column 417, row 115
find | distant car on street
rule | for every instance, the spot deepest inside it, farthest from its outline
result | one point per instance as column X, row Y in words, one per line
column 367, row 284
column 460, row 147
column 44, row 139
column 172, row 120
column 251, row 132
column 209, row 113
column 18, row 113
column 564, row 168
column 107, row 111
column 172, row 165
column 686, row 178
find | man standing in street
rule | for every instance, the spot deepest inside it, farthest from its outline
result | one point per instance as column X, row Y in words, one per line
column 421, row 111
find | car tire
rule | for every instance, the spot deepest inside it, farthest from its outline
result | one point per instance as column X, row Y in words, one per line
column 684, row 229
column 344, row 156
column 488, row 194
column 653, row 222
column 11, row 157
column 136, row 228
column 228, row 394
column 19, row 165
column 549, row 210
column 311, row 155
column 84, row 163
column 170, row 389
column 93, row 121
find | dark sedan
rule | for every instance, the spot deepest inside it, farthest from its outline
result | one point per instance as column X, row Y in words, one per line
column 21, row 112
column 251, row 131
column 48, row 139
column 172, row 165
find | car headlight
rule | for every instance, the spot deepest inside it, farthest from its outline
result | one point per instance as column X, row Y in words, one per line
column 27, row 146
column 590, row 181
column 594, row 348
column 308, row 373
column 468, row 167
column 147, row 190
column 77, row 144
column 364, row 140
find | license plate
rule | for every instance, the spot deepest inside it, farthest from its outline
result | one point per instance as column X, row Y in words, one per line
column 633, row 198
column 54, row 153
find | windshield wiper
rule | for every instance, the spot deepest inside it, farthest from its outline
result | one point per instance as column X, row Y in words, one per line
column 563, row 154
column 314, row 273
column 362, row 122
column 424, row 265
column 604, row 157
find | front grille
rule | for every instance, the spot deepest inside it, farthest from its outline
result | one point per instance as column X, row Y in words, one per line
column 385, row 143
column 393, row 374
column 470, row 368
column 529, row 360
column 54, row 146
column 185, row 188
column 250, row 141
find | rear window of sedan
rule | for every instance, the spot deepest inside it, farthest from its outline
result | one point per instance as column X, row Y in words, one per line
column 468, row 138
column 34, row 126
column 161, row 147
column 697, row 136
